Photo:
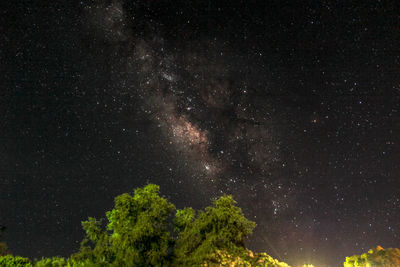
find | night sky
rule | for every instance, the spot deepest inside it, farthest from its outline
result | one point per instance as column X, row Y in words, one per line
column 293, row 107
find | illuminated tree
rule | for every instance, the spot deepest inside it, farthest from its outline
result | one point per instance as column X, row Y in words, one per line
column 375, row 257
column 140, row 231
column 219, row 229
column 136, row 234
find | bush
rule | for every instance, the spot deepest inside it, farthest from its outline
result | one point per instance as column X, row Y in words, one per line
column 11, row 261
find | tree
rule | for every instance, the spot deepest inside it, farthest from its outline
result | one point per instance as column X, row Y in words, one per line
column 136, row 234
column 139, row 231
column 375, row 257
column 218, row 230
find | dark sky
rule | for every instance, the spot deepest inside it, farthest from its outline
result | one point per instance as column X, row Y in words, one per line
column 290, row 106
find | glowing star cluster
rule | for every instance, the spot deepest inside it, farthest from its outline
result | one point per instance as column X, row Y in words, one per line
column 186, row 137
column 193, row 142
column 188, row 133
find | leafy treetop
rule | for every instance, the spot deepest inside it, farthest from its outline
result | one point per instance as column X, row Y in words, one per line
column 375, row 257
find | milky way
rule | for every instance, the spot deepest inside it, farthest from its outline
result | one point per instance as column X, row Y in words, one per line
column 293, row 109
column 195, row 99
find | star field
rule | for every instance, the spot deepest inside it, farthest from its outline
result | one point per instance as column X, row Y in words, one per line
column 293, row 108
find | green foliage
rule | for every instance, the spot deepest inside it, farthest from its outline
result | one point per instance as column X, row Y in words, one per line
column 248, row 258
column 139, row 231
column 264, row 260
column 222, row 227
column 183, row 218
column 51, row 262
column 375, row 257
column 11, row 261
column 136, row 234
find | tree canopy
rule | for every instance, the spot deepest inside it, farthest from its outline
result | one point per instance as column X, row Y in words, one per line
column 375, row 257
column 221, row 227
column 136, row 234
column 145, row 229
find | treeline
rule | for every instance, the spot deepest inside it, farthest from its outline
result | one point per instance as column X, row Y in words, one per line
column 145, row 229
